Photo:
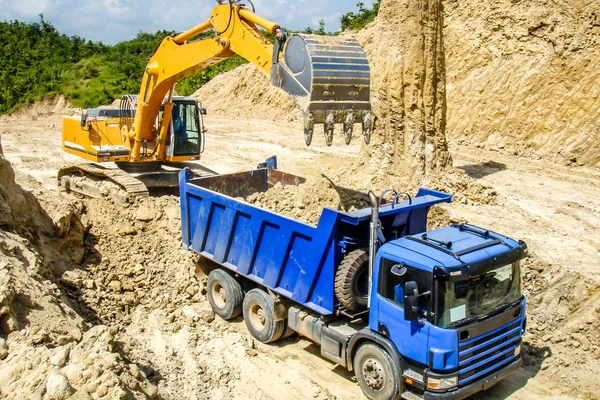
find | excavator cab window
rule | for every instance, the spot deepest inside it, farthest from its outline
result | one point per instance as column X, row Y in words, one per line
column 186, row 129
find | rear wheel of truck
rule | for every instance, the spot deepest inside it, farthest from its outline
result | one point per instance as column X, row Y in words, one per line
column 224, row 294
column 376, row 373
column 352, row 280
column 259, row 316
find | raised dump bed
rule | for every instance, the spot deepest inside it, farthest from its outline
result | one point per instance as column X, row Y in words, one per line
column 292, row 258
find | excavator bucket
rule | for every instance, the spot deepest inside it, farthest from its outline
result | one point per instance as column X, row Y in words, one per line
column 330, row 78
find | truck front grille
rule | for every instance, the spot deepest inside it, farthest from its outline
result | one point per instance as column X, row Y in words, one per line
column 486, row 353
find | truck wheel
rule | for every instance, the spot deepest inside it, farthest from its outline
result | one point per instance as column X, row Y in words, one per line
column 287, row 331
column 352, row 280
column 259, row 316
column 224, row 294
column 376, row 373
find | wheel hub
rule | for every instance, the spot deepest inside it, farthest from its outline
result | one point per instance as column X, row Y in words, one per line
column 258, row 317
column 374, row 374
column 261, row 316
column 219, row 295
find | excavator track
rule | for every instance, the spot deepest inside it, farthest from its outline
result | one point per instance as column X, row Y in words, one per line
column 68, row 180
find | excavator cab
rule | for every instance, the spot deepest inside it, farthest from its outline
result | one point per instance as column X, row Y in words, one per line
column 186, row 133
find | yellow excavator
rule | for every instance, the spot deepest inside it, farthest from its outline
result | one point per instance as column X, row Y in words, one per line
column 149, row 135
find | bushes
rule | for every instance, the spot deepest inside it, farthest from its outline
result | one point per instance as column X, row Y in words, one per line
column 357, row 21
column 37, row 61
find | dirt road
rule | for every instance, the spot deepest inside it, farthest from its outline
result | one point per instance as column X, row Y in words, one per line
column 556, row 209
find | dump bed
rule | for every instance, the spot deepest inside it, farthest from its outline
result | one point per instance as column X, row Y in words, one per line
column 292, row 258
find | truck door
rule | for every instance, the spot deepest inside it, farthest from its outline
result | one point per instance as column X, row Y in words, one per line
column 411, row 338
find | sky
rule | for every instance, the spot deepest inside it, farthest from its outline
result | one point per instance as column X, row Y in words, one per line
column 112, row 21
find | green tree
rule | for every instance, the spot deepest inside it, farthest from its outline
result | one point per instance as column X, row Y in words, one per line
column 364, row 16
column 321, row 30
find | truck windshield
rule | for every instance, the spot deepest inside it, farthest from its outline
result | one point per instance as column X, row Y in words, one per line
column 464, row 301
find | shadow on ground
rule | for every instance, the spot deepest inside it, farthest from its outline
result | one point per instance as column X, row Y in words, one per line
column 478, row 171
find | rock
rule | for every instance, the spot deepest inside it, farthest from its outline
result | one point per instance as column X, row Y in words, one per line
column 76, row 334
column 64, row 340
column 207, row 316
column 134, row 371
column 144, row 213
column 60, row 358
column 102, row 391
column 73, row 277
column 91, row 387
column 189, row 311
column 123, row 229
column 58, row 387
column 139, row 269
column 73, row 373
column 3, row 349
column 151, row 391
column 115, row 286
column 88, row 283
column 81, row 395
column 585, row 343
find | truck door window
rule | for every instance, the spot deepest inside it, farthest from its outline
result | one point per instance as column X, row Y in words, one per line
column 391, row 286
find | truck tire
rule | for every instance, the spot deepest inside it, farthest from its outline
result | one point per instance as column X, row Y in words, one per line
column 352, row 280
column 259, row 316
column 287, row 331
column 224, row 294
column 376, row 373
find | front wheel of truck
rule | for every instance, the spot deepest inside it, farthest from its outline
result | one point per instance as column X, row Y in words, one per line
column 224, row 294
column 259, row 316
column 376, row 373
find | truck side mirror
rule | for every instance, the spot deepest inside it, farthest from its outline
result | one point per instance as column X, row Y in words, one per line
column 202, row 111
column 411, row 297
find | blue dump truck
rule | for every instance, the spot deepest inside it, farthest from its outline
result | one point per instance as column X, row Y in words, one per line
column 415, row 314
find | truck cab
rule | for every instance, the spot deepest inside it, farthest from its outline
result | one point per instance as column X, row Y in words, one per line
column 450, row 301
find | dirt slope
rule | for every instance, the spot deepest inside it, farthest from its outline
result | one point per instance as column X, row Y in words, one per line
column 523, row 76
column 47, row 349
column 247, row 92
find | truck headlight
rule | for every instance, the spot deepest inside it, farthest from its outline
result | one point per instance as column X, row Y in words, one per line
column 442, row 383
column 518, row 350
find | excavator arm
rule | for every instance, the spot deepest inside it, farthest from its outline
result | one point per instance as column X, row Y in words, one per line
column 328, row 76
column 176, row 58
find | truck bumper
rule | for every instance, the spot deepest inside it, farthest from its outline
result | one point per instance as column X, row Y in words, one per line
column 477, row 386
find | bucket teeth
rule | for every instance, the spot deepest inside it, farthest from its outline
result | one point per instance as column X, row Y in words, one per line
column 330, row 78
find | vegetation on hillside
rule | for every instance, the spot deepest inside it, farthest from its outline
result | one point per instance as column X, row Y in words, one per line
column 37, row 61
column 360, row 19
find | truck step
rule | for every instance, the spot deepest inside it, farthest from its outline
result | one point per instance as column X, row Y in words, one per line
column 347, row 328
column 411, row 396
